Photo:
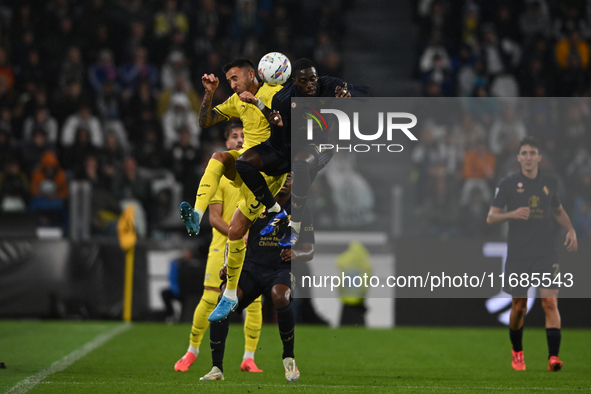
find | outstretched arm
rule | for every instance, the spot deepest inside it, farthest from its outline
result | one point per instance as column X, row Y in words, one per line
column 207, row 116
column 571, row 236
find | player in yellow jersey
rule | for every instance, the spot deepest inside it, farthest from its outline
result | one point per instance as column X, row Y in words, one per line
column 250, row 102
column 221, row 209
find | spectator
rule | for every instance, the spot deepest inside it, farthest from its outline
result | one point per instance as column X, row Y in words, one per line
column 14, row 187
column 181, row 86
column 501, row 55
column 179, row 117
column 169, row 18
column 140, row 113
column 82, row 119
column 6, row 70
column 111, row 158
column 72, row 69
column 75, row 155
column 507, row 127
column 149, row 152
column 49, row 169
column 535, row 21
column 137, row 39
column 104, row 206
column 44, row 121
column 439, row 210
column 131, row 73
column 67, row 101
column 31, row 150
column 175, row 68
column 572, row 48
column 31, row 71
column 479, row 171
column 129, row 184
column 49, row 208
column 102, row 71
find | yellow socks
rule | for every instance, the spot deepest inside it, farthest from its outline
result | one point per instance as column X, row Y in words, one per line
column 208, row 185
column 252, row 325
column 236, row 252
column 208, row 302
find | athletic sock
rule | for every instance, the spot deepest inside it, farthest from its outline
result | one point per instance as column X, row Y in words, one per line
column 236, row 252
column 194, row 350
column 275, row 208
column 516, row 339
column 252, row 327
column 218, row 331
column 255, row 182
column 208, row 185
column 207, row 303
column 248, row 354
column 553, row 336
column 230, row 294
column 295, row 225
column 300, row 189
column 286, row 323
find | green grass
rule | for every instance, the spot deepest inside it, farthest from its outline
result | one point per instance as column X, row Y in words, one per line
column 346, row 360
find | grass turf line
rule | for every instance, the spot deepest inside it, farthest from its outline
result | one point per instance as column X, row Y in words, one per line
column 344, row 360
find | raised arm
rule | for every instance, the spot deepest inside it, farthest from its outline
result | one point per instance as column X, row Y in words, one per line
column 207, row 116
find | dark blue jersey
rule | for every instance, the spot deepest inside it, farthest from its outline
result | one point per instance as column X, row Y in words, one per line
column 533, row 237
column 281, row 137
column 263, row 251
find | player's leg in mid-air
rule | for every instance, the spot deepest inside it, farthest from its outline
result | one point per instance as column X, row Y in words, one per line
column 306, row 165
column 249, row 209
column 263, row 158
column 220, row 164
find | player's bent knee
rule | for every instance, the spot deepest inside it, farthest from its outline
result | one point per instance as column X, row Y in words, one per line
column 251, row 157
column 281, row 295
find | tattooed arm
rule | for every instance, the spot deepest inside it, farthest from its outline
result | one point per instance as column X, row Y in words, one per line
column 207, row 116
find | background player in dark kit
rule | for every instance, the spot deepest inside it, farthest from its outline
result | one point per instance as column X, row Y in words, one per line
column 531, row 197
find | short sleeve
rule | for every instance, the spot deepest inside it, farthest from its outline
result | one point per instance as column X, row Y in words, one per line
column 502, row 194
column 228, row 108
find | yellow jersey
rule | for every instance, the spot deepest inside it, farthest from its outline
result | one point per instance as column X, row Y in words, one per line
column 256, row 126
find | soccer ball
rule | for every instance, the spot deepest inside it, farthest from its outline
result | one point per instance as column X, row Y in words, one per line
column 274, row 68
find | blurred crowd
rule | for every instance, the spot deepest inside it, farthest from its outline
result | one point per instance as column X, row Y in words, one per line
column 483, row 51
column 108, row 91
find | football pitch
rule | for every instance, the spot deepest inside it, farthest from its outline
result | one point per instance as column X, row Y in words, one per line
column 111, row 357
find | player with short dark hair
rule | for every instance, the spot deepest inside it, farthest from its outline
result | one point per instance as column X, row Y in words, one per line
column 249, row 103
column 532, row 199
column 275, row 155
column 267, row 271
